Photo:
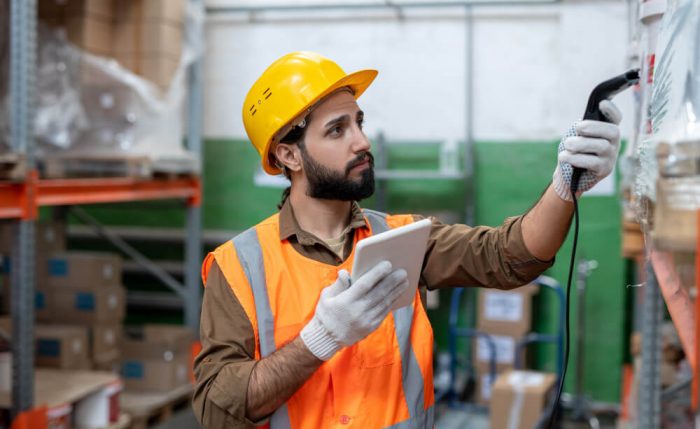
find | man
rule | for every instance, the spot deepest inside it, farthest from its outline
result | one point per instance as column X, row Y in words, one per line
column 287, row 339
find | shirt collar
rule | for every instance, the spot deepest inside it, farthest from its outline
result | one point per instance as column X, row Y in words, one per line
column 290, row 227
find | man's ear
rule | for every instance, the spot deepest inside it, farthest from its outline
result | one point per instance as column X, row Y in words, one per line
column 289, row 156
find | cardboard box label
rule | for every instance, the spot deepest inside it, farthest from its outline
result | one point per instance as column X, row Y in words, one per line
column 39, row 300
column 503, row 306
column 523, row 379
column 85, row 301
column 48, row 348
column 132, row 369
column 505, row 349
column 58, row 267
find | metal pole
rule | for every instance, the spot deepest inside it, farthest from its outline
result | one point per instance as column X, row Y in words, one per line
column 22, row 71
column 649, row 414
column 129, row 250
column 381, row 152
column 193, row 230
column 469, row 215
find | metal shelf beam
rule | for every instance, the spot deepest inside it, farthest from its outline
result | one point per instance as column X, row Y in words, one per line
column 20, row 200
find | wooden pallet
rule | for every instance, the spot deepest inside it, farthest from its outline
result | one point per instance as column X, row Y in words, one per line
column 13, row 167
column 172, row 168
column 147, row 409
column 85, row 166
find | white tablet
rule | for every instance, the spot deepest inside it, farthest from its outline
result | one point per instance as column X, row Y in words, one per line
column 404, row 247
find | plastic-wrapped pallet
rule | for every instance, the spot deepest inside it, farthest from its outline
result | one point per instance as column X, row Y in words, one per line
column 94, row 107
column 669, row 151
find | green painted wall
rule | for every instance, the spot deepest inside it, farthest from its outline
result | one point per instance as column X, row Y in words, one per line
column 509, row 179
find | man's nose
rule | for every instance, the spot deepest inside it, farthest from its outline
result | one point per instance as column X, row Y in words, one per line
column 360, row 141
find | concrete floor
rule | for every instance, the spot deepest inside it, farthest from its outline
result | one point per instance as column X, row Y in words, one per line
column 446, row 419
column 461, row 419
column 183, row 419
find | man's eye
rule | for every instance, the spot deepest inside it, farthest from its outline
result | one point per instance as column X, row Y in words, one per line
column 360, row 123
column 336, row 130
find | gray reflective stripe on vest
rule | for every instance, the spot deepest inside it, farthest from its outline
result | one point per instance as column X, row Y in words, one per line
column 377, row 220
column 250, row 257
column 413, row 387
column 411, row 375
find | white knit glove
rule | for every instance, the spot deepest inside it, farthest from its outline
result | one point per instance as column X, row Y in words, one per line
column 591, row 145
column 347, row 313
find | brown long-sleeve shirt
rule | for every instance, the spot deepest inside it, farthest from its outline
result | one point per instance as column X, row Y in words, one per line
column 457, row 255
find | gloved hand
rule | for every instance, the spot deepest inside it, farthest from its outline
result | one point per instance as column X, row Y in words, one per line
column 591, row 145
column 347, row 313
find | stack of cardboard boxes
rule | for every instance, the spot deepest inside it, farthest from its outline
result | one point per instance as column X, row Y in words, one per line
column 507, row 317
column 83, row 289
column 79, row 301
column 144, row 36
column 157, row 358
column 50, row 237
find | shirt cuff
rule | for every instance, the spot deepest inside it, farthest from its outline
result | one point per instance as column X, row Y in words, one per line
column 521, row 259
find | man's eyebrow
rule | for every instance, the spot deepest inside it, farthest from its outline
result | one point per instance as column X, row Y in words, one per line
column 338, row 120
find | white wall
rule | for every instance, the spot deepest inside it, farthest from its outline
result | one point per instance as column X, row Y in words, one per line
column 533, row 66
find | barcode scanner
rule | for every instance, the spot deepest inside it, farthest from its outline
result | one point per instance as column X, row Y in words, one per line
column 603, row 91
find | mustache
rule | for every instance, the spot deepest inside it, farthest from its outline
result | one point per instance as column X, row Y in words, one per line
column 359, row 159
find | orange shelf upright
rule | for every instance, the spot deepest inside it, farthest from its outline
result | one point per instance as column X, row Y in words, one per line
column 694, row 362
column 21, row 200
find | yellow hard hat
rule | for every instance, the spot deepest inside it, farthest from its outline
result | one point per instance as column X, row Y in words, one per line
column 287, row 89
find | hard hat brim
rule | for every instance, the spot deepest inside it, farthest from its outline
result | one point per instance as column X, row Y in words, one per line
column 358, row 81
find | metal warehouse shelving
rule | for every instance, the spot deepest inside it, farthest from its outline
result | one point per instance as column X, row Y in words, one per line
column 21, row 200
column 662, row 277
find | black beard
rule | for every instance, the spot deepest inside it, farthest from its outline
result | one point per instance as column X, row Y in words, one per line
column 327, row 184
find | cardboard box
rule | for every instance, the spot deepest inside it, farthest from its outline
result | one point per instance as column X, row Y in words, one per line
column 92, row 34
column 50, row 237
column 148, row 38
column 505, row 352
column 64, row 347
column 506, row 312
column 159, row 70
column 105, row 340
column 518, row 398
column 110, row 363
column 42, row 301
column 92, row 270
column 60, row 10
column 159, row 360
column 172, row 11
column 145, row 36
column 6, row 326
column 99, row 8
column 89, row 306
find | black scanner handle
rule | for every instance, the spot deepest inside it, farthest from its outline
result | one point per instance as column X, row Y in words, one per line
column 603, row 91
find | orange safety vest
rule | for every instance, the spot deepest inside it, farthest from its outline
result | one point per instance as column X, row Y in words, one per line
column 383, row 381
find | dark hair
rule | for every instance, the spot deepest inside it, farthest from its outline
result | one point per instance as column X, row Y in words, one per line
column 294, row 136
